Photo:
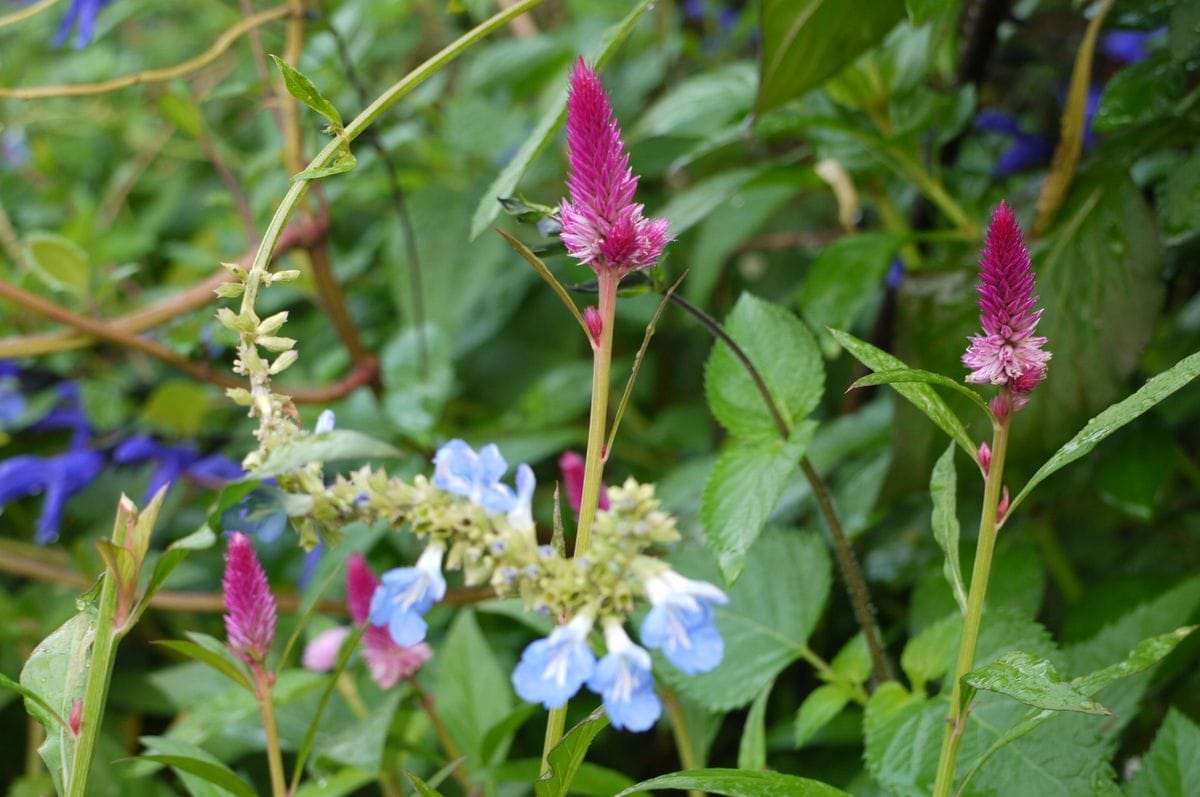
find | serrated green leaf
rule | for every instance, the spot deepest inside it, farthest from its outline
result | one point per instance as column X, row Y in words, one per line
column 332, row 446
column 505, row 183
column 742, row 491
column 208, row 768
column 207, row 650
column 807, row 41
column 930, row 654
column 771, row 612
column 567, row 756
column 302, row 88
column 786, row 357
column 60, row 263
column 738, row 783
column 1171, row 767
column 473, row 692
column 943, row 489
column 752, row 749
column 1155, row 390
column 1033, row 681
column 822, row 705
column 922, row 396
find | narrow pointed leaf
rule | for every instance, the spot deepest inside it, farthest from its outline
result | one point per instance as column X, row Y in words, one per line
column 567, row 756
column 1033, row 681
column 212, row 771
column 943, row 489
column 302, row 88
column 738, row 783
column 896, row 376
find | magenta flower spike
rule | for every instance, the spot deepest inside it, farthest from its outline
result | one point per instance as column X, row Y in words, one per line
column 1008, row 353
column 602, row 226
column 249, row 604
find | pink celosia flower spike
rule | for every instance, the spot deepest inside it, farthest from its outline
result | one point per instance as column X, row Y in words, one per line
column 249, row 604
column 601, row 224
column 1008, row 353
column 571, row 465
column 388, row 662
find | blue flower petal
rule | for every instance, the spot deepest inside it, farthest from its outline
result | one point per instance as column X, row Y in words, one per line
column 553, row 669
column 407, row 628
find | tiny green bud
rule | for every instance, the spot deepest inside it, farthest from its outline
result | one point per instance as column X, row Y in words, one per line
column 271, row 325
column 236, row 270
column 283, row 362
column 239, row 396
column 287, row 275
column 272, row 343
column 230, row 290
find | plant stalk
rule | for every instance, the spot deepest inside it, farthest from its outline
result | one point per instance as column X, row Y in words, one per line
column 266, row 708
column 956, row 717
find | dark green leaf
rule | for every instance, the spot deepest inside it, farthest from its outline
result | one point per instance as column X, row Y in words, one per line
column 738, row 783
column 807, row 41
column 208, row 768
column 500, row 734
column 924, row 10
column 752, row 750
column 303, row 89
column 1171, row 767
column 1033, row 681
column 741, row 493
column 922, row 396
column 785, row 355
column 197, row 784
column 567, row 756
column 943, row 489
column 327, row 447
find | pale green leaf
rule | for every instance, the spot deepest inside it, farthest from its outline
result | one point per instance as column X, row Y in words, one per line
column 302, row 88
column 738, row 783
column 332, row 446
column 895, row 376
column 207, row 768
column 752, row 749
column 473, row 691
column 207, row 650
column 822, row 705
column 943, row 489
column 567, row 756
column 930, row 654
column 61, row 264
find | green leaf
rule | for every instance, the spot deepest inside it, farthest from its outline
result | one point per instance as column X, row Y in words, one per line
column 930, row 654
column 943, row 489
column 700, row 105
column 742, row 491
column 920, row 395
column 199, row 540
column 920, row 11
column 473, row 692
column 344, row 781
column 1033, row 681
column 697, row 202
column 207, row 768
column 342, row 162
column 1145, row 655
column 178, row 407
column 163, row 746
column 738, row 783
column 771, row 612
column 785, row 355
column 895, row 376
column 303, row 89
column 818, row 709
column 45, row 708
column 60, row 263
column 567, row 756
column 752, row 749
column 1142, row 93
column 327, row 447
column 1155, row 390
column 501, row 733
column 853, row 661
column 1171, row 767
column 505, row 183
column 807, row 41
column 207, row 650
column 844, row 279
column 57, row 671
column 422, row 788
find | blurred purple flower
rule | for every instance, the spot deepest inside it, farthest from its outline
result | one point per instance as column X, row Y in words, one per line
column 260, row 513
column 1130, row 46
column 14, row 147
column 80, row 17
column 1027, row 150
column 68, row 414
column 175, row 461
column 58, row 478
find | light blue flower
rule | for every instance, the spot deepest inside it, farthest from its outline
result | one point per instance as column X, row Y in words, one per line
column 460, row 470
column 520, row 515
column 624, row 682
column 553, row 669
column 326, row 421
column 681, row 623
column 405, row 594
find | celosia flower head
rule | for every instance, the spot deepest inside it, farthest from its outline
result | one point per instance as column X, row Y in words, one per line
column 602, row 226
column 249, row 604
column 1007, row 353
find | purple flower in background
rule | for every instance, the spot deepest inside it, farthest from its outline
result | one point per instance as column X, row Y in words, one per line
column 1027, row 150
column 1008, row 353
column 68, row 413
column 12, row 402
column 173, row 462
column 249, row 604
column 58, row 478
column 14, row 147
column 602, row 226
column 1130, row 46
column 81, row 16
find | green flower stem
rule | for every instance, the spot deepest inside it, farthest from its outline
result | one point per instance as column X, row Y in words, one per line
column 956, row 718
column 266, row 708
column 683, row 739
column 104, row 649
column 593, row 463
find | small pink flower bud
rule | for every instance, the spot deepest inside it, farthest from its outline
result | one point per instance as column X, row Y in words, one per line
column 595, row 324
column 572, row 466
column 76, row 719
column 320, row 655
column 249, row 604
column 985, row 457
column 1001, row 405
column 1002, row 507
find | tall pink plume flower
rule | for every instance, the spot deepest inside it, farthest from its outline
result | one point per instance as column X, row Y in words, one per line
column 602, row 226
column 249, row 604
column 388, row 662
column 1008, row 353
column 572, row 467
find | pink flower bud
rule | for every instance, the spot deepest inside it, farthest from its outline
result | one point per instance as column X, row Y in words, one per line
column 1002, row 507
column 572, row 466
column 249, row 604
column 985, row 457
column 320, row 655
column 76, row 719
column 595, row 324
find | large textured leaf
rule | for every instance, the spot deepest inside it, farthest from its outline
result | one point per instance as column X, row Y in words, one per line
column 1033, row 681
column 787, row 357
column 473, row 692
column 743, row 490
column 807, row 41
column 1171, row 767
column 738, row 783
column 57, row 672
column 567, row 756
column 772, row 610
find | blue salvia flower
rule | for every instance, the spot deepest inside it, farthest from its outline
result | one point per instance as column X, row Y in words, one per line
column 58, row 478
column 1130, row 46
column 68, row 414
column 12, row 402
column 681, row 624
column 553, row 669
column 405, row 594
column 173, row 462
column 624, row 682
column 81, row 16
column 1027, row 150
column 459, row 469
